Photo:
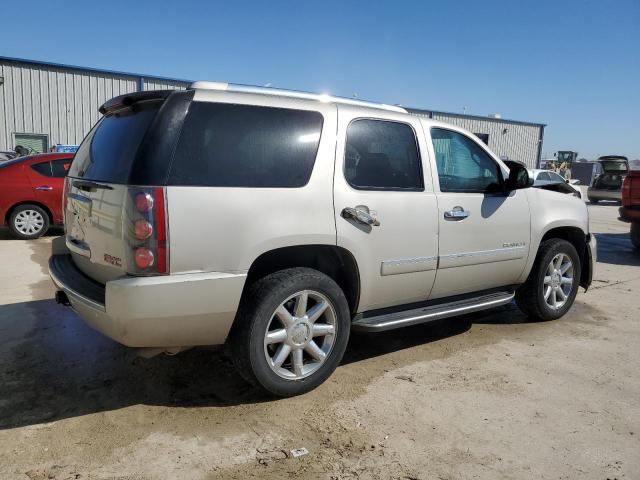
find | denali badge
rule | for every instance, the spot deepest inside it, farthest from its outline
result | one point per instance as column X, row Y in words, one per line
column 113, row 260
column 513, row 244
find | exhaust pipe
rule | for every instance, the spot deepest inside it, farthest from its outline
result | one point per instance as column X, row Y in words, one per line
column 62, row 298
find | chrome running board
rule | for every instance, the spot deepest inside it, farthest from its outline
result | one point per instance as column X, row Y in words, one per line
column 404, row 318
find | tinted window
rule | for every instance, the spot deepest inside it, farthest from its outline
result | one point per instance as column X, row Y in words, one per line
column 43, row 168
column 107, row 153
column 382, row 155
column 227, row 145
column 543, row 176
column 60, row 168
column 463, row 166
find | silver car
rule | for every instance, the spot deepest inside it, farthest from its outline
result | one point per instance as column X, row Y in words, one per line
column 276, row 222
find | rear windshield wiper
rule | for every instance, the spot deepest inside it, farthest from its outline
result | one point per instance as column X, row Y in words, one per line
column 89, row 185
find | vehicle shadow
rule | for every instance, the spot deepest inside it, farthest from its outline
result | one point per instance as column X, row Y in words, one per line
column 616, row 249
column 54, row 367
column 5, row 233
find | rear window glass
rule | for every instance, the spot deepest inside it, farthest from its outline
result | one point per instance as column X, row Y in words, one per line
column 107, row 153
column 229, row 145
column 60, row 168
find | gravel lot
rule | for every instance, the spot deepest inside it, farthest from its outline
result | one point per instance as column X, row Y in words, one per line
column 481, row 396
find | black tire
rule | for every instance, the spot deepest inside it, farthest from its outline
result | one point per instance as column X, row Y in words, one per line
column 258, row 306
column 19, row 231
column 530, row 296
column 635, row 235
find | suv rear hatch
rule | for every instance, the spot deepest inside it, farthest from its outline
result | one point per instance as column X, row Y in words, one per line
column 114, row 201
column 614, row 170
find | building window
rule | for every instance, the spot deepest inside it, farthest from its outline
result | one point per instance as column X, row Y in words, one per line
column 32, row 142
column 484, row 137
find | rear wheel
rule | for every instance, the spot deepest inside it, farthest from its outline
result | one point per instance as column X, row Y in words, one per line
column 635, row 235
column 553, row 283
column 28, row 221
column 291, row 331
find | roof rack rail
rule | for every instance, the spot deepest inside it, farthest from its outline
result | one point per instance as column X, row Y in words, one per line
column 230, row 87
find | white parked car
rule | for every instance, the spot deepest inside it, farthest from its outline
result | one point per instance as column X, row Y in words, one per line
column 276, row 222
column 550, row 180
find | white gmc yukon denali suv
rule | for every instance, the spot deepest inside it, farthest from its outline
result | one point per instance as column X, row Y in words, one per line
column 276, row 222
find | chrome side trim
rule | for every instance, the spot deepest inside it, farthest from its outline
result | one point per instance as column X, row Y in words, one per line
column 408, row 265
column 482, row 256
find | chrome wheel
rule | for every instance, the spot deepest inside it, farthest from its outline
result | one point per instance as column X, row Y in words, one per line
column 300, row 335
column 29, row 222
column 558, row 281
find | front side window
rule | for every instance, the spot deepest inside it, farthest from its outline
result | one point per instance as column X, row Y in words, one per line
column 463, row 166
column 382, row 155
column 230, row 145
column 555, row 177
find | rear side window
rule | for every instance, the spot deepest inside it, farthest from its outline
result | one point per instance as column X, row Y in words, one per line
column 43, row 168
column 229, row 145
column 108, row 152
column 60, row 168
column 382, row 155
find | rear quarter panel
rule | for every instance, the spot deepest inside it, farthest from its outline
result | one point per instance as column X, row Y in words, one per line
column 14, row 188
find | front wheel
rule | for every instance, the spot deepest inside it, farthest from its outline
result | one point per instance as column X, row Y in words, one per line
column 291, row 331
column 553, row 283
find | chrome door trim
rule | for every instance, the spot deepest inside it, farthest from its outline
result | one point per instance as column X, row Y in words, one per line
column 408, row 265
column 482, row 256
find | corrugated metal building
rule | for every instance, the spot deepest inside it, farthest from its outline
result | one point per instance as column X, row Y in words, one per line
column 44, row 104
column 509, row 139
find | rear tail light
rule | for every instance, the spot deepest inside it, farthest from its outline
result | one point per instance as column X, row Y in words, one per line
column 142, row 229
column 147, row 231
column 144, row 258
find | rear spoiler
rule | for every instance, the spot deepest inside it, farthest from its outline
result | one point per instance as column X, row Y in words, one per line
column 124, row 101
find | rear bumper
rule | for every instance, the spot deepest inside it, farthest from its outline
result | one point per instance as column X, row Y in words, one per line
column 596, row 194
column 160, row 311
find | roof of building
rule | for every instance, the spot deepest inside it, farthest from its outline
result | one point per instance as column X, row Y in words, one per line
column 275, row 91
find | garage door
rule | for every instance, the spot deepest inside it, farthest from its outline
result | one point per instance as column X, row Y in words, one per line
column 33, row 142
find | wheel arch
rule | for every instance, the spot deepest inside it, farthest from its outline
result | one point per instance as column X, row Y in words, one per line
column 335, row 262
column 576, row 237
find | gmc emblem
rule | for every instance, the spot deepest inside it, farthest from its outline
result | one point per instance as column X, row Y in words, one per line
column 115, row 261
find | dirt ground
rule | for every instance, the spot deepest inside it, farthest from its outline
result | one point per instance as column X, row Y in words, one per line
column 482, row 396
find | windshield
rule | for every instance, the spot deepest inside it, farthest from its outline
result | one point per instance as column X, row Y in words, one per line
column 108, row 152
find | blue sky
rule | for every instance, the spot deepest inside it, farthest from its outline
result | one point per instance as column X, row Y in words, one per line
column 574, row 65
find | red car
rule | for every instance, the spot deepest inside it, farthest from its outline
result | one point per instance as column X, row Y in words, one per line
column 31, row 193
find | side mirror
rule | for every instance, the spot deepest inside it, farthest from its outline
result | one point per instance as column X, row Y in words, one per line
column 518, row 177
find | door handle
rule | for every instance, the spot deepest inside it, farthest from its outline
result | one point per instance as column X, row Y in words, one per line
column 361, row 214
column 44, row 188
column 457, row 213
